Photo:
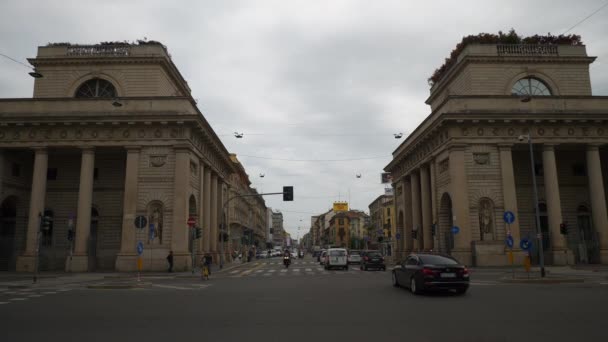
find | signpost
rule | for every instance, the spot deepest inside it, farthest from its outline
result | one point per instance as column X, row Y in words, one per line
column 509, row 218
column 140, row 221
column 140, row 251
column 525, row 244
column 455, row 230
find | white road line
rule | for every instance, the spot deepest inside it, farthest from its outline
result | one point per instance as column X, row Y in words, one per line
column 171, row 287
column 17, row 299
column 267, row 274
column 3, row 303
column 34, row 295
column 283, row 271
column 10, row 292
column 270, row 271
column 258, row 271
column 50, row 292
column 235, row 271
column 64, row 290
column 603, row 283
column 296, row 269
column 308, row 270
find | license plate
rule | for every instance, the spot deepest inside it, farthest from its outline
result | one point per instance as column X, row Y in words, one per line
column 375, row 259
column 448, row 275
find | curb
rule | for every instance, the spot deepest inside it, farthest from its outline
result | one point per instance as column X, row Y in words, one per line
column 544, row 281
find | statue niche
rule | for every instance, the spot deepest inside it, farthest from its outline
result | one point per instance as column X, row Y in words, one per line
column 155, row 219
column 486, row 219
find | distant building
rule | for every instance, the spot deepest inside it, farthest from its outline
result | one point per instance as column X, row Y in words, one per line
column 382, row 229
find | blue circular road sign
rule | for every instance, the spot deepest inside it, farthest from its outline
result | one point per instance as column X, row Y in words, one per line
column 509, row 241
column 509, row 217
column 140, row 248
column 525, row 244
column 455, row 230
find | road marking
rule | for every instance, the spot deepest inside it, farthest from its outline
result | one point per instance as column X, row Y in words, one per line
column 64, row 290
column 603, row 283
column 267, row 274
column 201, row 286
column 171, row 287
column 10, row 292
column 296, row 269
column 270, row 271
column 308, row 270
column 17, row 299
column 283, row 271
column 319, row 268
column 235, row 271
column 3, row 303
column 34, row 295
column 258, row 271
column 50, row 292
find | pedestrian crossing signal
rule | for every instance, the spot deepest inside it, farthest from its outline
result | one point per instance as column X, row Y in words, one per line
column 288, row 193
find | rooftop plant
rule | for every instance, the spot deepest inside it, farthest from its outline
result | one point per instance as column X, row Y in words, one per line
column 510, row 37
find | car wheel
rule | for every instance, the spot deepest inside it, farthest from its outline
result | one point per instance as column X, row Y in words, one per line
column 365, row 268
column 384, row 269
column 361, row 267
column 346, row 268
column 395, row 281
column 414, row 286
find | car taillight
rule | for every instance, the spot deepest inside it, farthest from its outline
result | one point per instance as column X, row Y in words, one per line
column 428, row 272
column 366, row 258
column 382, row 259
column 465, row 272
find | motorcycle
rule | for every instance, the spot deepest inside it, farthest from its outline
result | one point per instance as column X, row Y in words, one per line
column 286, row 261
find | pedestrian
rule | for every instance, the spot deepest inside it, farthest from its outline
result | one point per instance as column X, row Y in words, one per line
column 170, row 261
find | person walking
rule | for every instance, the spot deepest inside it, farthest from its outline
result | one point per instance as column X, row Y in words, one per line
column 170, row 261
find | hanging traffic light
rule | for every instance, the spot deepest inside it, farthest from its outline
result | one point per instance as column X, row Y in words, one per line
column 198, row 232
column 288, row 193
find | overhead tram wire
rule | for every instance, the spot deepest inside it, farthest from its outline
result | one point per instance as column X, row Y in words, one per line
column 587, row 17
column 316, row 160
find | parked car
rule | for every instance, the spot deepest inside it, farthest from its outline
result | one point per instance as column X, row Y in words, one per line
column 354, row 257
column 336, row 257
column 421, row 272
column 294, row 254
column 372, row 259
column 322, row 257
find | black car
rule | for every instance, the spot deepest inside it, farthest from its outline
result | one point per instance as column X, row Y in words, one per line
column 420, row 272
column 372, row 259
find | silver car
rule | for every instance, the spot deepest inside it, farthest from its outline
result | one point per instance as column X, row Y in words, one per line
column 354, row 257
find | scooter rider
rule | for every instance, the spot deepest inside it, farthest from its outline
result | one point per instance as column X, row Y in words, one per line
column 286, row 257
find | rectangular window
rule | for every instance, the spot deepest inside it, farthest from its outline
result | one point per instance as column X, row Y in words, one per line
column 340, row 221
column 388, row 211
column 95, row 173
column 16, row 170
column 51, row 173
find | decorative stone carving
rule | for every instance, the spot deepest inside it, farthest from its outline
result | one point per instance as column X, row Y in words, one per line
column 158, row 160
column 158, row 133
column 193, row 168
column 486, row 219
column 126, row 133
column 481, row 158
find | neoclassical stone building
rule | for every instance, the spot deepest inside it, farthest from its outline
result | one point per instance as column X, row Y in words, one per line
column 468, row 162
column 111, row 133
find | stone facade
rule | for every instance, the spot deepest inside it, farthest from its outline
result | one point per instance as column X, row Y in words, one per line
column 469, row 161
column 112, row 133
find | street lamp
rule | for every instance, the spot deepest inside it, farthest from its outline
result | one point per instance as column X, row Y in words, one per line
column 34, row 73
column 541, row 256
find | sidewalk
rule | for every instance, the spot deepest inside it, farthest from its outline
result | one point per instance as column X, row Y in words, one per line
column 553, row 274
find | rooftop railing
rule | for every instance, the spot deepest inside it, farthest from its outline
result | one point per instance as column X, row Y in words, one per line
column 526, row 49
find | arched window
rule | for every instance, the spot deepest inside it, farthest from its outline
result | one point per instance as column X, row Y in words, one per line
column 530, row 86
column 96, row 88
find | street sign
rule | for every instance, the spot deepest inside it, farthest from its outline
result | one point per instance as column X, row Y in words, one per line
column 509, row 217
column 525, row 244
column 140, row 248
column 151, row 231
column 509, row 241
column 398, row 236
column 455, row 230
column 140, row 221
column 191, row 221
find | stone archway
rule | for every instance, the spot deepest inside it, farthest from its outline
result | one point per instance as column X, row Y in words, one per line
column 8, row 224
column 446, row 239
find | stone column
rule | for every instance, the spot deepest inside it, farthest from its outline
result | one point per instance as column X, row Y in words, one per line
column 416, row 215
column 214, row 220
column 598, row 199
column 25, row 262
column 508, row 188
column 80, row 261
column 408, row 244
column 182, row 259
column 207, row 211
column 434, row 215
column 220, row 213
column 554, row 207
column 425, row 198
column 460, row 204
column 201, row 209
column 126, row 260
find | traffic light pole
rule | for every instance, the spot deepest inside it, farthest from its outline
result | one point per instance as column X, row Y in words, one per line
column 223, row 224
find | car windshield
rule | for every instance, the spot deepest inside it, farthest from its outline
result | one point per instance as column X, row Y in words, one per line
column 337, row 253
column 437, row 260
column 355, row 253
column 374, row 254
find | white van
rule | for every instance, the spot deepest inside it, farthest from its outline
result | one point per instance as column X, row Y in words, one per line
column 336, row 257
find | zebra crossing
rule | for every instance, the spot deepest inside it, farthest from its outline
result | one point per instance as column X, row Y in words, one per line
column 295, row 271
column 10, row 295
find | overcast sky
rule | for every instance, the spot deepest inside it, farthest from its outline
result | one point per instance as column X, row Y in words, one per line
column 302, row 80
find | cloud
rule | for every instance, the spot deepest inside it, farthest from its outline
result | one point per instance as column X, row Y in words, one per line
column 301, row 79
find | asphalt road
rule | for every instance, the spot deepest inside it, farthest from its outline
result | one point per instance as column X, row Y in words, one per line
column 264, row 302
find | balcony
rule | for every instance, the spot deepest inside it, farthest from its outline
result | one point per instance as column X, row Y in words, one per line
column 526, row 50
